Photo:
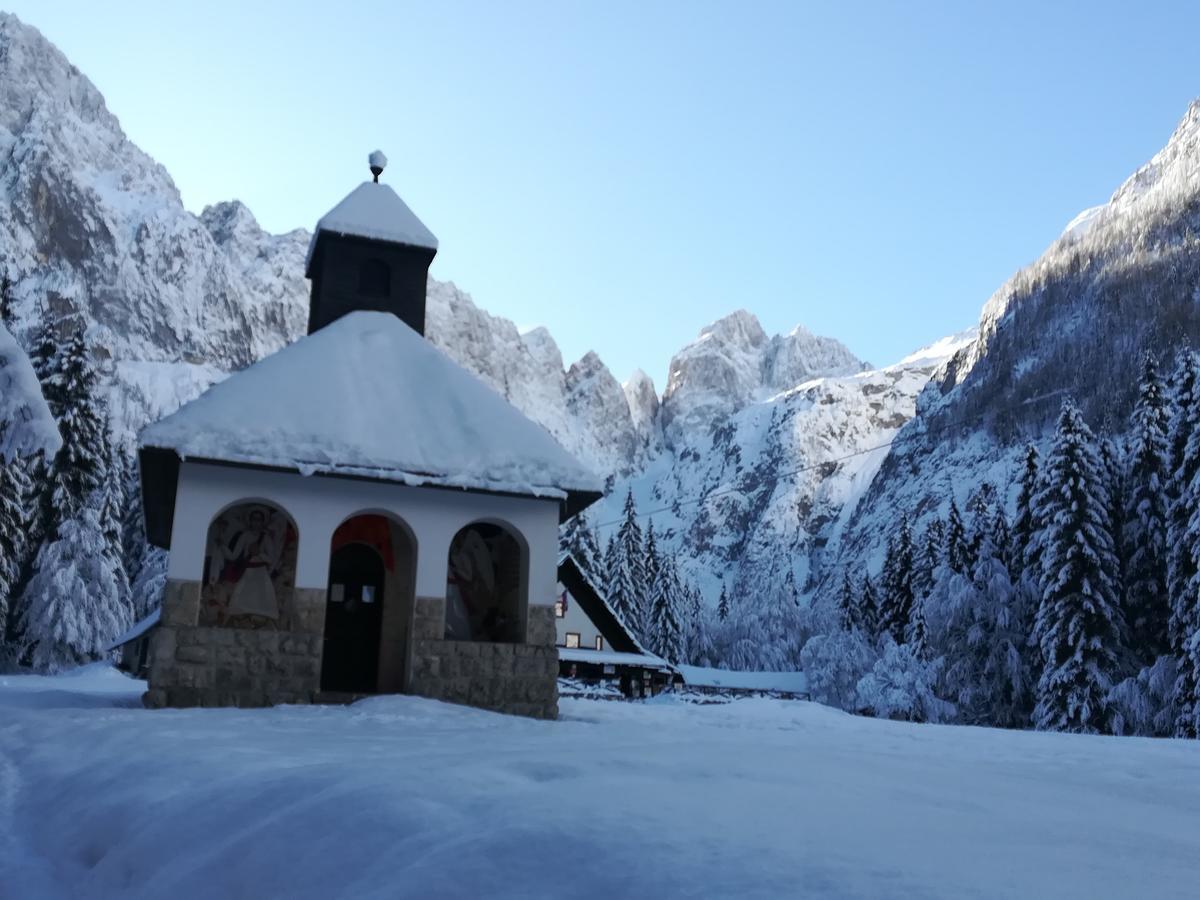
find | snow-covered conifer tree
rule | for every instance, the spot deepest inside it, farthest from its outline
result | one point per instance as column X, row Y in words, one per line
column 6, row 300
column 75, row 604
column 14, row 523
column 667, row 635
column 1144, row 526
column 655, row 583
column 1183, row 535
column 847, row 606
column 896, row 608
column 930, row 554
column 82, row 496
column 698, row 642
column 980, row 509
column 1112, row 464
column 579, row 540
column 1079, row 623
column 868, row 606
column 723, row 605
column 834, row 664
column 1025, row 528
column 80, row 467
column 611, row 560
column 779, row 625
column 984, row 634
column 628, row 588
column 957, row 544
column 902, row 685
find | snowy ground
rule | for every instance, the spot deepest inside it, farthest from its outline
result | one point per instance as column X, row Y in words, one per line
column 400, row 797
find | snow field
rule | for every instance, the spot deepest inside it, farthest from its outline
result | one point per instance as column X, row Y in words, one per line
column 404, row 797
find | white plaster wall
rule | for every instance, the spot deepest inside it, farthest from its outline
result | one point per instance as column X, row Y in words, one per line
column 319, row 504
column 577, row 620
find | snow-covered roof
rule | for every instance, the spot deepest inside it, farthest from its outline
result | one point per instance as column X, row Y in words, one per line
column 784, row 682
column 374, row 210
column 26, row 425
column 614, row 657
column 368, row 396
column 136, row 631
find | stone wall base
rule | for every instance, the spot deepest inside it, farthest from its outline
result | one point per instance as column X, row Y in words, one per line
column 519, row 679
column 193, row 665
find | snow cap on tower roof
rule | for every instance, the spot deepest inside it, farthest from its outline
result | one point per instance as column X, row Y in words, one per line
column 373, row 210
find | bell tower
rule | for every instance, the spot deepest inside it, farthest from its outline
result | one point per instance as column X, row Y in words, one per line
column 370, row 252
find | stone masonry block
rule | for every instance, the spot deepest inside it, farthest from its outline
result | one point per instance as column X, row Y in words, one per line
column 540, row 626
column 181, row 603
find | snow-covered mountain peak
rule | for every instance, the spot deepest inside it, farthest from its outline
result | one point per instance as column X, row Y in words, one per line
column 740, row 328
column 642, row 398
column 733, row 363
column 939, row 351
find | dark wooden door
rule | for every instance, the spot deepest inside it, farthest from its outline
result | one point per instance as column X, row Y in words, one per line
column 353, row 616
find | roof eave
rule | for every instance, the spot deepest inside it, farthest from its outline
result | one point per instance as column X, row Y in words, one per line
column 160, row 478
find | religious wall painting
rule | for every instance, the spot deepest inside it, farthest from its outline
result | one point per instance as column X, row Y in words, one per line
column 483, row 583
column 250, row 569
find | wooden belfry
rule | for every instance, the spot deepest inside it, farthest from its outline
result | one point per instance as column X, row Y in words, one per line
column 370, row 252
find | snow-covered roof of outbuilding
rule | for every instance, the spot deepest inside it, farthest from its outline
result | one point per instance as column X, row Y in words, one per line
column 368, row 396
column 374, row 210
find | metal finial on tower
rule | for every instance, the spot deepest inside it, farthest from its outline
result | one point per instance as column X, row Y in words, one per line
column 377, row 161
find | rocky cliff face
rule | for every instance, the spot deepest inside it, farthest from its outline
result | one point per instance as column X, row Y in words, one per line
column 1123, row 278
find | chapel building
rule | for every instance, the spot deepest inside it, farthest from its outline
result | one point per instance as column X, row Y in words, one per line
column 357, row 513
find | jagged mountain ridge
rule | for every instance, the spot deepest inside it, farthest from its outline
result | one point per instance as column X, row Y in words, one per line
column 763, row 492
column 93, row 229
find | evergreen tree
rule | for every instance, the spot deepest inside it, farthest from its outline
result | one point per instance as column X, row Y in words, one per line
column 931, row 554
column 580, row 541
column 916, row 633
column 14, row 523
column 778, row 626
column 74, row 604
column 847, row 607
column 1144, row 520
column 898, row 595
column 901, row 685
column 698, row 649
column 1112, row 465
column 628, row 587
column 80, row 467
column 667, row 630
column 611, row 560
column 7, row 313
column 44, row 356
column 868, row 607
column 984, row 635
column 655, row 581
column 957, row 545
column 1079, row 624
column 723, row 605
column 1025, row 527
column 980, row 510
column 1184, row 504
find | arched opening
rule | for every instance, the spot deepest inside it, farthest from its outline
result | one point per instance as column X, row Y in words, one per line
column 250, row 568
column 375, row 279
column 368, row 605
column 486, row 584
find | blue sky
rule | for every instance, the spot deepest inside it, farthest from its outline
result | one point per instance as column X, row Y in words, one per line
column 624, row 173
